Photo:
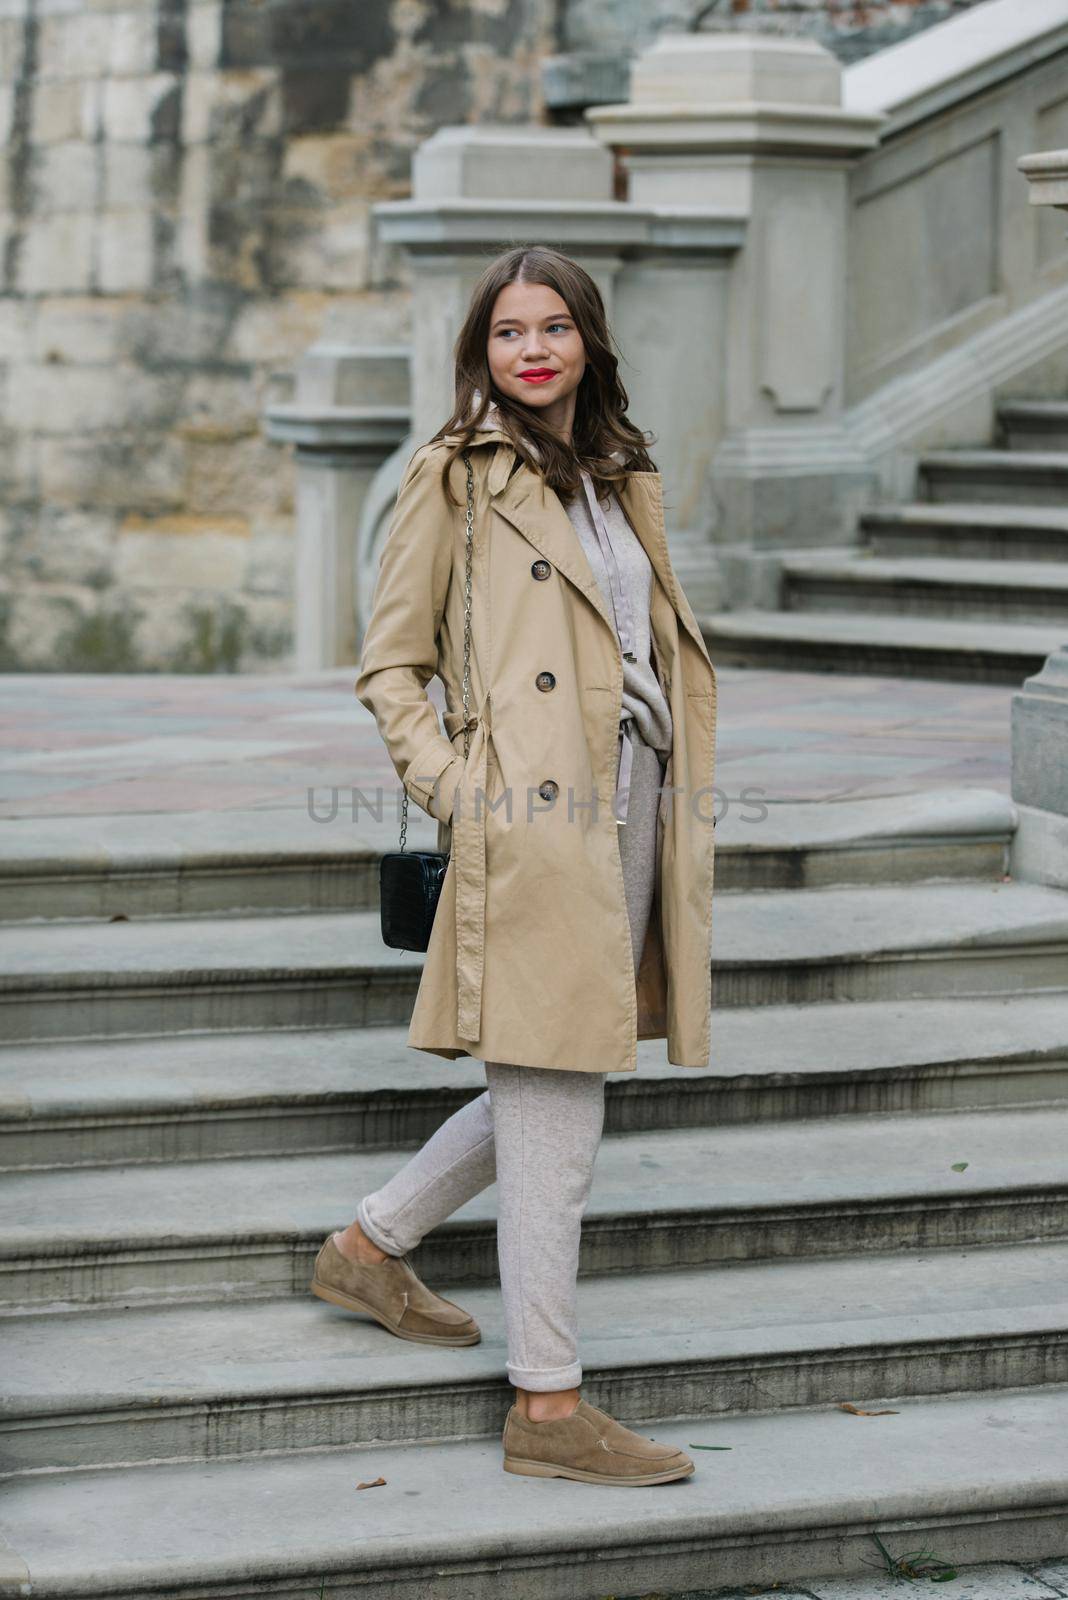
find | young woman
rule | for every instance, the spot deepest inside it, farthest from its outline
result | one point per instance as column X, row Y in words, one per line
column 575, row 914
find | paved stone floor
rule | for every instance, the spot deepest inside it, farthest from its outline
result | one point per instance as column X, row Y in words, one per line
column 83, row 746
column 993, row 1580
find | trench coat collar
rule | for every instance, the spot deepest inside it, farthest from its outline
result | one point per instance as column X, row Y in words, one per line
column 537, row 512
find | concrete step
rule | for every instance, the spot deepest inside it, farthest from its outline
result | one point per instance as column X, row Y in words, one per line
column 974, row 531
column 918, row 647
column 193, row 864
column 93, row 980
column 202, row 1096
column 1034, row 424
column 832, row 1186
column 107, row 1388
column 973, row 1477
column 1018, row 477
column 894, row 838
column 925, row 586
column 200, row 864
column 88, row 979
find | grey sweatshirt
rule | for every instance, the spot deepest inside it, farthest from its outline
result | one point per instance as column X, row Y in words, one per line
column 624, row 576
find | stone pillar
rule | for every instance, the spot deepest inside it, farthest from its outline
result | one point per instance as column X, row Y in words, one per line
column 350, row 412
column 671, row 318
column 1040, row 710
column 475, row 191
column 754, row 125
column 478, row 190
column 1040, row 774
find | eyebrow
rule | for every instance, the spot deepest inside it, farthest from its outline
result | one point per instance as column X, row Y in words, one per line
column 557, row 316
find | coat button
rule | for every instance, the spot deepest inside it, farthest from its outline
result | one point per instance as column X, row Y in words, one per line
column 545, row 681
column 541, row 569
column 549, row 789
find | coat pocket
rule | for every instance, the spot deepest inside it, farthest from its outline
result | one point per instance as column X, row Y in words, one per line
column 426, row 782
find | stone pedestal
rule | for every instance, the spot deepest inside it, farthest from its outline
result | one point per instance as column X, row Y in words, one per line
column 349, row 414
column 755, row 125
column 477, row 191
column 1040, row 774
column 661, row 269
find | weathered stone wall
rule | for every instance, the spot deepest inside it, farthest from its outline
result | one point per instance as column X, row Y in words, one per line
column 184, row 208
column 851, row 28
column 187, row 187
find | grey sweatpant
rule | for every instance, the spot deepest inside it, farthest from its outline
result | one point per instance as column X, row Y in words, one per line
column 536, row 1130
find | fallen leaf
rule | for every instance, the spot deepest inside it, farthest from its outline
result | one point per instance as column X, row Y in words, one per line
column 857, row 1412
column 710, row 1447
column 959, row 1166
column 373, row 1485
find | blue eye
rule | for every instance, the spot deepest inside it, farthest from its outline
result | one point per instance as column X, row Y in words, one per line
column 506, row 331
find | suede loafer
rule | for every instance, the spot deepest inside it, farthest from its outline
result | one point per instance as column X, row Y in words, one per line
column 392, row 1293
column 591, row 1447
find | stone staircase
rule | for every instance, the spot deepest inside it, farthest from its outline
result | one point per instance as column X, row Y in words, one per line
column 968, row 582
column 862, row 1200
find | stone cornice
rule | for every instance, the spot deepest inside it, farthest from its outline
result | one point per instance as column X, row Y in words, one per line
column 315, row 428
column 1047, row 174
column 575, row 224
column 739, row 127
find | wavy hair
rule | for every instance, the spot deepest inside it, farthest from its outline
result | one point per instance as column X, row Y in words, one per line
column 600, row 426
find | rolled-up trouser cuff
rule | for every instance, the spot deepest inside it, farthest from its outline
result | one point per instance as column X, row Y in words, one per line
column 375, row 1234
column 543, row 1380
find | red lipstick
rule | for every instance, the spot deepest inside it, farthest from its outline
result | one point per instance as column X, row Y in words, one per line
column 538, row 374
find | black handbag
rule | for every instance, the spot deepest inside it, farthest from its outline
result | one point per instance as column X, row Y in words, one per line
column 410, row 880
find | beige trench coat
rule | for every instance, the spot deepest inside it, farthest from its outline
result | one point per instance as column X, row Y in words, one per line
column 530, row 956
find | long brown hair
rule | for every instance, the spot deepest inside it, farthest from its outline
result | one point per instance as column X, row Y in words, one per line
column 601, row 425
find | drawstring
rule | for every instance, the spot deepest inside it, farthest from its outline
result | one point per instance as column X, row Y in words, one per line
column 626, row 761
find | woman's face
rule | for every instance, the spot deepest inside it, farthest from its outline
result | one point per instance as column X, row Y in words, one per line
column 536, row 354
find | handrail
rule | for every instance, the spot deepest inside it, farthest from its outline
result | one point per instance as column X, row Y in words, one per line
column 955, row 60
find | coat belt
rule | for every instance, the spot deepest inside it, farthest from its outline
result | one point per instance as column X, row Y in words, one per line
column 469, row 854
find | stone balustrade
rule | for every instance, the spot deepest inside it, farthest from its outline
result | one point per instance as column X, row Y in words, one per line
column 813, row 275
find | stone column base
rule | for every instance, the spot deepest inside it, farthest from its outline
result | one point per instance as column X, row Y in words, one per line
column 1039, row 851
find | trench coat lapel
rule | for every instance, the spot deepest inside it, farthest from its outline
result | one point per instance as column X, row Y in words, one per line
column 642, row 497
column 537, row 512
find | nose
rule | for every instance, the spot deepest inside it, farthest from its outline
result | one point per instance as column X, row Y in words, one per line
column 533, row 345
